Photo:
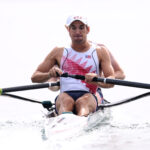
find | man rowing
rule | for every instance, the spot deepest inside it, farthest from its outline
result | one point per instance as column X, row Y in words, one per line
column 82, row 58
column 118, row 71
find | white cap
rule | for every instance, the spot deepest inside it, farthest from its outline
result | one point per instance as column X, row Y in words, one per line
column 71, row 19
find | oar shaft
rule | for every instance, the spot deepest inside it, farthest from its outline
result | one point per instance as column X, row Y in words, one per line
column 111, row 81
column 123, row 83
column 28, row 87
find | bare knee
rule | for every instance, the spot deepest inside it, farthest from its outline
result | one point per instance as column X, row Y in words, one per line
column 81, row 109
column 85, row 105
column 64, row 103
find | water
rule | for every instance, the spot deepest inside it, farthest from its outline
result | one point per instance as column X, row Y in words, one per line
column 102, row 130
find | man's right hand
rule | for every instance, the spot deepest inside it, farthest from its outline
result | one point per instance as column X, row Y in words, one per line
column 55, row 71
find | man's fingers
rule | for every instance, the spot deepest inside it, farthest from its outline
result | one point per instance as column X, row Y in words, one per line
column 89, row 77
column 55, row 72
column 58, row 72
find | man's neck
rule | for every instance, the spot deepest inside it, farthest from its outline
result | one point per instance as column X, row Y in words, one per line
column 81, row 47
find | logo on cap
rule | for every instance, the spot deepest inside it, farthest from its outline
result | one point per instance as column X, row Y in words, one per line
column 77, row 17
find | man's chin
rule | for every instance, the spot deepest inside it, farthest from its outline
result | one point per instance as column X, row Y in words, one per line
column 78, row 41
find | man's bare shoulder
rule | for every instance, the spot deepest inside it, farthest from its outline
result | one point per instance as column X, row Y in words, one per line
column 101, row 49
column 57, row 49
column 55, row 53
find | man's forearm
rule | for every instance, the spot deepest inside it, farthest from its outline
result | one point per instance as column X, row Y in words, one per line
column 40, row 77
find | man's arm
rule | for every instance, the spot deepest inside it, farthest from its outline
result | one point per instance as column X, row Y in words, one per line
column 43, row 72
column 119, row 73
column 106, row 68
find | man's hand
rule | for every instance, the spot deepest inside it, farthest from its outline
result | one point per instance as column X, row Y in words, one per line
column 89, row 77
column 55, row 72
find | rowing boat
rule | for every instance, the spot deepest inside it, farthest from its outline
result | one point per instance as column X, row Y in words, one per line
column 64, row 125
column 68, row 125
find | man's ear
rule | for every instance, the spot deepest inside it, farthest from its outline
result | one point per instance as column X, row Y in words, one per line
column 88, row 29
column 67, row 28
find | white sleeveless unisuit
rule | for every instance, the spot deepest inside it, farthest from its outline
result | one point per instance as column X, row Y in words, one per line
column 78, row 63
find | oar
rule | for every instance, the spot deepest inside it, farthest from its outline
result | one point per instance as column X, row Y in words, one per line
column 111, row 81
column 28, row 87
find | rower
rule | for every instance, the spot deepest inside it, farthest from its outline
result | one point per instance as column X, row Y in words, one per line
column 119, row 74
column 81, row 57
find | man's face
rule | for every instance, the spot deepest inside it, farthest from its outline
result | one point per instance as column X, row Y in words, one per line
column 78, row 32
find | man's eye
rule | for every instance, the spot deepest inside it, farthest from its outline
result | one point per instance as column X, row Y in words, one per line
column 81, row 27
column 73, row 27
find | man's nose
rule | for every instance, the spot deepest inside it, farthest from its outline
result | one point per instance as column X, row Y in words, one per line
column 77, row 31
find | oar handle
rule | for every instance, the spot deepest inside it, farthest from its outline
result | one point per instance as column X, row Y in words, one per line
column 81, row 77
